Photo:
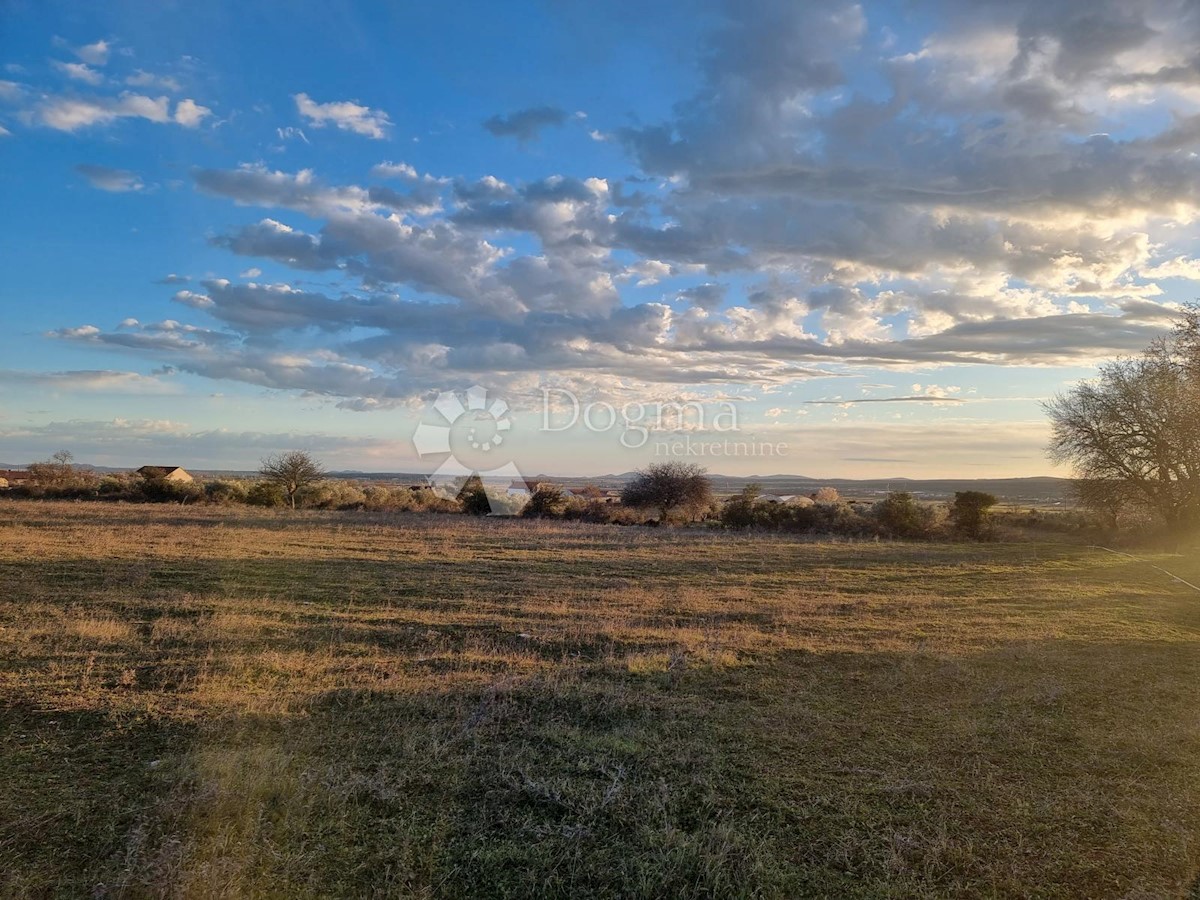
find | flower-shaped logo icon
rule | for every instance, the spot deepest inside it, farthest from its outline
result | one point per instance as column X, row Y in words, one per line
column 488, row 429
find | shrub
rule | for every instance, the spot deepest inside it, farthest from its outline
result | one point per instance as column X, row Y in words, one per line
column 473, row 497
column 547, row 502
column 333, row 495
column 970, row 510
column 118, row 487
column 226, row 492
column 159, row 490
column 742, row 511
column 902, row 516
column 266, row 493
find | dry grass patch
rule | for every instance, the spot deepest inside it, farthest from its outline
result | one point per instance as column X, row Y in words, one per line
column 222, row 703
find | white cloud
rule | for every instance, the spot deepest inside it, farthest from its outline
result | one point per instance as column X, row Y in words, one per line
column 347, row 115
column 190, row 114
column 395, row 170
column 73, row 113
column 96, row 53
column 1179, row 267
column 142, row 78
column 79, row 72
column 977, row 211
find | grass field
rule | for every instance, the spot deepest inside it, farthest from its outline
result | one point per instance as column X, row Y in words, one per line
column 228, row 703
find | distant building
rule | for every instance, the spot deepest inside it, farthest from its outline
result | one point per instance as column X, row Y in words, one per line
column 166, row 473
column 13, row 478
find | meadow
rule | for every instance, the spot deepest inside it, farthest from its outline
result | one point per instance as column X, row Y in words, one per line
column 217, row 702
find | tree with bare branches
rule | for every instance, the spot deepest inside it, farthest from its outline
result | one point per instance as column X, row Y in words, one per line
column 669, row 486
column 292, row 471
column 1134, row 431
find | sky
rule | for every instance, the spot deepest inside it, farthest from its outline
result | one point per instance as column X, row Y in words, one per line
column 825, row 239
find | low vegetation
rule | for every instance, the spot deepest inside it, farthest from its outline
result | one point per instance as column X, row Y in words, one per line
column 211, row 702
column 664, row 494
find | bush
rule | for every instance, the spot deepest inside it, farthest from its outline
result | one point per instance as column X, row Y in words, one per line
column 901, row 515
column 473, row 497
column 118, row 487
column 547, row 502
column 159, row 490
column 267, row 494
column 333, row 495
column 390, row 498
column 746, row 510
column 970, row 511
column 226, row 492
column 743, row 511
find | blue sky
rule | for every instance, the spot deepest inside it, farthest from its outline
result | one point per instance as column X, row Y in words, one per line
column 881, row 234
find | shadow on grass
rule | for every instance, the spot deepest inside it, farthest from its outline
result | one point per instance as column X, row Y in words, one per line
column 76, row 790
column 1046, row 766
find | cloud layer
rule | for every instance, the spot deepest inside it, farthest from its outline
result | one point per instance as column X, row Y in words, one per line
column 1007, row 189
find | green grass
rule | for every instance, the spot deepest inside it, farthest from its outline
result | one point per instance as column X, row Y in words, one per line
column 229, row 703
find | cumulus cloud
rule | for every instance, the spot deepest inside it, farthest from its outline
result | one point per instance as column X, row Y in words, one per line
column 1179, row 267
column 143, row 79
column 190, row 114
column 95, row 53
column 78, row 72
column 109, row 179
column 70, row 114
column 73, row 113
column 395, row 170
column 526, row 124
column 347, row 115
column 707, row 296
column 983, row 205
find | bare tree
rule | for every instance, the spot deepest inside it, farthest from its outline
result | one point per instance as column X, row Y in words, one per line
column 292, row 471
column 669, row 486
column 1136, row 427
column 58, row 471
column 1186, row 340
column 1104, row 498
